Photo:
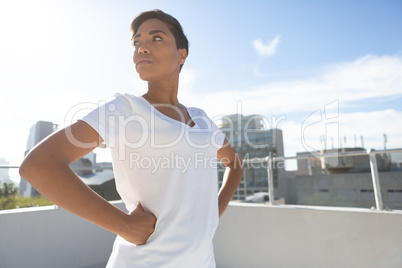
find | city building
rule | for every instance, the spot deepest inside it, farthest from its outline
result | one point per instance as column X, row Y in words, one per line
column 4, row 176
column 345, row 180
column 251, row 139
column 38, row 132
column 82, row 166
column 103, row 183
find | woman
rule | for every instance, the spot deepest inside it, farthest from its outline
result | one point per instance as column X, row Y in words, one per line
column 163, row 159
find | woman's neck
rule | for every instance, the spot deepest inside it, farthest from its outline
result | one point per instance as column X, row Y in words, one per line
column 162, row 93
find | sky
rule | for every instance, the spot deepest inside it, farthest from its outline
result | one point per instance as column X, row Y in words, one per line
column 327, row 73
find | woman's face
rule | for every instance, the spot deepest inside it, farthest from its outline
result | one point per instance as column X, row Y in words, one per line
column 156, row 55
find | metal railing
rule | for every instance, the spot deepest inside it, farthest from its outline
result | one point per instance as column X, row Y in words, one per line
column 371, row 153
column 73, row 168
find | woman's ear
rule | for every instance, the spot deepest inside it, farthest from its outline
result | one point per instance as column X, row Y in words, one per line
column 183, row 55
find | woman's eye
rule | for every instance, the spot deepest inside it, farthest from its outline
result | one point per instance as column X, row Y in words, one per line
column 135, row 43
column 157, row 38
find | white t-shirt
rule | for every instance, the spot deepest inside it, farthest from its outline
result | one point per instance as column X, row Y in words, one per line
column 170, row 168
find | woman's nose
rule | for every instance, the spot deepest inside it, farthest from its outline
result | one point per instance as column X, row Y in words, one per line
column 143, row 50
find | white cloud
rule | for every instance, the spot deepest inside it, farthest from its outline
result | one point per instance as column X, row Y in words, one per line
column 345, row 131
column 268, row 49
column 349, row 82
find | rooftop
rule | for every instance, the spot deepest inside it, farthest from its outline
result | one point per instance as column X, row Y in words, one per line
column 249, row 235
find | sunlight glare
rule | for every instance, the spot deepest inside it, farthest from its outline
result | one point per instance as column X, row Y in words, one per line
column 29, row 31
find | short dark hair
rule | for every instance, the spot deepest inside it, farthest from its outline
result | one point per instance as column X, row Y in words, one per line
column 172, row 23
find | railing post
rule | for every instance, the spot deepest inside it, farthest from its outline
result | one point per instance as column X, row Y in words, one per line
column 376, row 179
column 270, row 180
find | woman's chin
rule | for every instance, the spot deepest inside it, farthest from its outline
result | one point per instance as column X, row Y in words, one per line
column 144, row 77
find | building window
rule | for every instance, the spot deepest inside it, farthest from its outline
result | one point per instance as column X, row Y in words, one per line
column 346, row 195
column 323, row 194
column 367, row 195
column 395, row 195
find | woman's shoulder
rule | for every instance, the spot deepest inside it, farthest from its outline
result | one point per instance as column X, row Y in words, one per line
column 201, row 113
column 196, row 110
column 124, row 104
column 127, row 99
column 126, row 96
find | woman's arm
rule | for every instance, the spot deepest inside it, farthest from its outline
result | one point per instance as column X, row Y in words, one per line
column 47, row 168
column 232, row 176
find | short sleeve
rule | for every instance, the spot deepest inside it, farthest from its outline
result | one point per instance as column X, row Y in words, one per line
column 105, row 118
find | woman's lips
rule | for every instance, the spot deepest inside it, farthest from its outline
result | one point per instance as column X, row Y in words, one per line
column 142, row 62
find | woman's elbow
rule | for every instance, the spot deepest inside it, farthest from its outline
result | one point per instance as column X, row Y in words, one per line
column 34, row 165
column 27, row 168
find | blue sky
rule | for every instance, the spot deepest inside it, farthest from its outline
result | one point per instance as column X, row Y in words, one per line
column 337, row 64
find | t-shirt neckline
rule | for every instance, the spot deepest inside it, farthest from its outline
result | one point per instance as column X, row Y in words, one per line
column 189, row 111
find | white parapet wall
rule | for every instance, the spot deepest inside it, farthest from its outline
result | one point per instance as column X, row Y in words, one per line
column 248, row 235
column 295, row 236
column 51, row 237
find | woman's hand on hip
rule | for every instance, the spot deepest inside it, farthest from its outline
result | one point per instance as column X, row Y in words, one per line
column 140, row 225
